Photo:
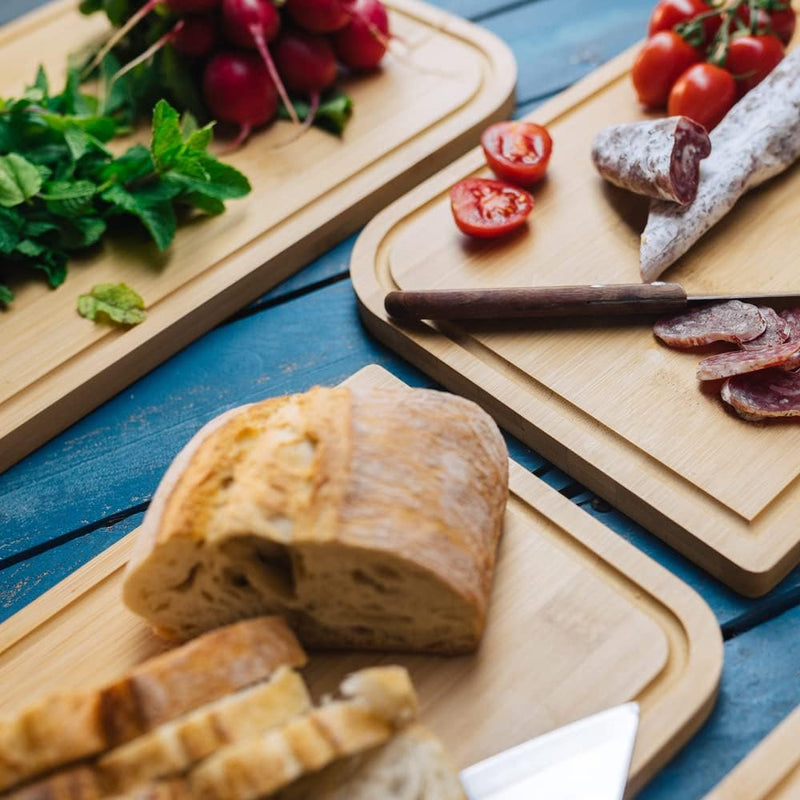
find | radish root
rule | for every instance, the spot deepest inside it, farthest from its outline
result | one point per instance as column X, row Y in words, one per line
column 131, row 23
column 258, row 36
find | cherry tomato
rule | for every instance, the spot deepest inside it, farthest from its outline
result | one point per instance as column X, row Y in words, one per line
column 517, row 151
column 751, row 58
column 669, row 13
column 704, row 93
column 486, row 208
column 662, row 60
column 780, row 21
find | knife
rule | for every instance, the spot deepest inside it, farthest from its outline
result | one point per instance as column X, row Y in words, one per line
column 586, row 760
column 557, row 301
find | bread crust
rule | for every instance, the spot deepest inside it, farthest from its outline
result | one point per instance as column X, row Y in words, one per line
column 69, row 726
column 389, row 502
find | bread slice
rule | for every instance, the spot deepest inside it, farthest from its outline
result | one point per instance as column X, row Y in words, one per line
column 411, row 766
column 370, row 518
column 74, row 725
column 377, row 703
column 174, row 789
column 76, row 783
column 175, row 746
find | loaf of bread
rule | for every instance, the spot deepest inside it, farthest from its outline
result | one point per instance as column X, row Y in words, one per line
column 74, row 725
column 174, row 747
column 411, row 766
column 369, row 518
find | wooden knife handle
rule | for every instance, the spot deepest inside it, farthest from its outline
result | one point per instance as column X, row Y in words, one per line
column 537, row 301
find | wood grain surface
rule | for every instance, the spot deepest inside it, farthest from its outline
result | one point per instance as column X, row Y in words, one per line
column 411, row 117
column 579, row 621
column 770, row 772
column 607, row 402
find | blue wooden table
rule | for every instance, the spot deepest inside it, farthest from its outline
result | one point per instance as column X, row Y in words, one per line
column 86, row 489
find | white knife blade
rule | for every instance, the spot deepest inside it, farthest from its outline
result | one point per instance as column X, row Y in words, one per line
column 585, row 760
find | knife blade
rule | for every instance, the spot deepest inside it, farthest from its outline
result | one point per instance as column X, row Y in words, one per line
column 558, row 301
column 585, row 760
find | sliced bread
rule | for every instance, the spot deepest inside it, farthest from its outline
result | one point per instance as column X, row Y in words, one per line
column 377, row 703
column 370, row 518
column 174, row 747
column 411, row 766
column 69, row 726
column 75, row 783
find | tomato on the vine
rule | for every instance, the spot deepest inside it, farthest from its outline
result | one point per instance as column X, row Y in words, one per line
column 704, row 93
column 669, row 13
column 517, row 151
column 778, row 21
column 486, row 208
column 751, row 58
column 662, row 60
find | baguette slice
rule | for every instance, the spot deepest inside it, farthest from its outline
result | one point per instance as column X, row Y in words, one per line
column 411, row 766
column 378, row 701
column 76, row 783
column 173, row 789
column 70, row 726
column 173, row 748
column 369, row 517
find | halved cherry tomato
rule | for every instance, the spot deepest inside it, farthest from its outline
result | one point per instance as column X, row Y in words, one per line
column 486, row 208
column 662, row 60
column 517, row 151
column 779, row 21
column 751, row 58
column 704, row 93
column 669, row 13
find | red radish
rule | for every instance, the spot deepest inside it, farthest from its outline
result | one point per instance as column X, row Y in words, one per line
column 175, row 6
column 306, row 62
column 363, row 42
column 237, row 88
column 319, row 16
column 251, row 24
column 197, row 37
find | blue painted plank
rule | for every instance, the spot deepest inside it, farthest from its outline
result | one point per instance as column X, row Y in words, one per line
column 760, row 687
column 9, row 9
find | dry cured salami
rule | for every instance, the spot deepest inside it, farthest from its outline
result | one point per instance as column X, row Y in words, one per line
column 658, row 158
column 760, row 395
column 756, row 140
column 733, row 321
column 778, row 330
column 724, row 365
column 792, row 319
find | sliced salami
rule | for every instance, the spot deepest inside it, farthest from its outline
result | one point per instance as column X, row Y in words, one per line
column 760, row 395
column 756, row 140
column 733, row 321
column 738, row 362
column 792, row 318
column 658, row 158
column 778, row 330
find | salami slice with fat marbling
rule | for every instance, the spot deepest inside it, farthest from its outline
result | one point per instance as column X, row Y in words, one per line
column 760, row 395
column 757, row 139
column 778, row 330
column 738, row 362
column 733, row 321
column 658, row 158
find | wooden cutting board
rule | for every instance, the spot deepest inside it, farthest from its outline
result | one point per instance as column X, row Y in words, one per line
column 411, row 117
column 579, row 621
column 606, row 402
column 770, row 772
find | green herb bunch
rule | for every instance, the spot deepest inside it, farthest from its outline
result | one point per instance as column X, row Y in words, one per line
column 60, row 186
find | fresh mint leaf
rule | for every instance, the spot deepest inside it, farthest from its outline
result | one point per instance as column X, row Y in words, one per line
column 82, row 232
column 167, row 139
column 19, row 180
column 90, row 6
column 117, row 10
column 134, row 164
column 156, row 214
column 6, row 295
column 10, row 230
column 204, row 203
column 38, row 227
column 73, row 101
column 114, row 302
column 332, row 115
column 69, row 198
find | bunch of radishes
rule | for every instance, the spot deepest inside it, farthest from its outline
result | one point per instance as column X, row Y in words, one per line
column 251, row 55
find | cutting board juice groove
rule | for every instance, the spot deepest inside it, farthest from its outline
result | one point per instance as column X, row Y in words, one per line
column 606, row 402
column 408, row 122
column 579, row 621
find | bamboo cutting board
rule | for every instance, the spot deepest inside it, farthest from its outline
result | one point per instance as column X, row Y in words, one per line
column 770, row 772
column 579, row 621
column 411, row 117
column 607, row 402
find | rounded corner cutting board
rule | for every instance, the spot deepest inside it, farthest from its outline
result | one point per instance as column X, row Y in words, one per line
column 579, row 621
column 413, row 116
column 605, row 401
column 770, row 772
